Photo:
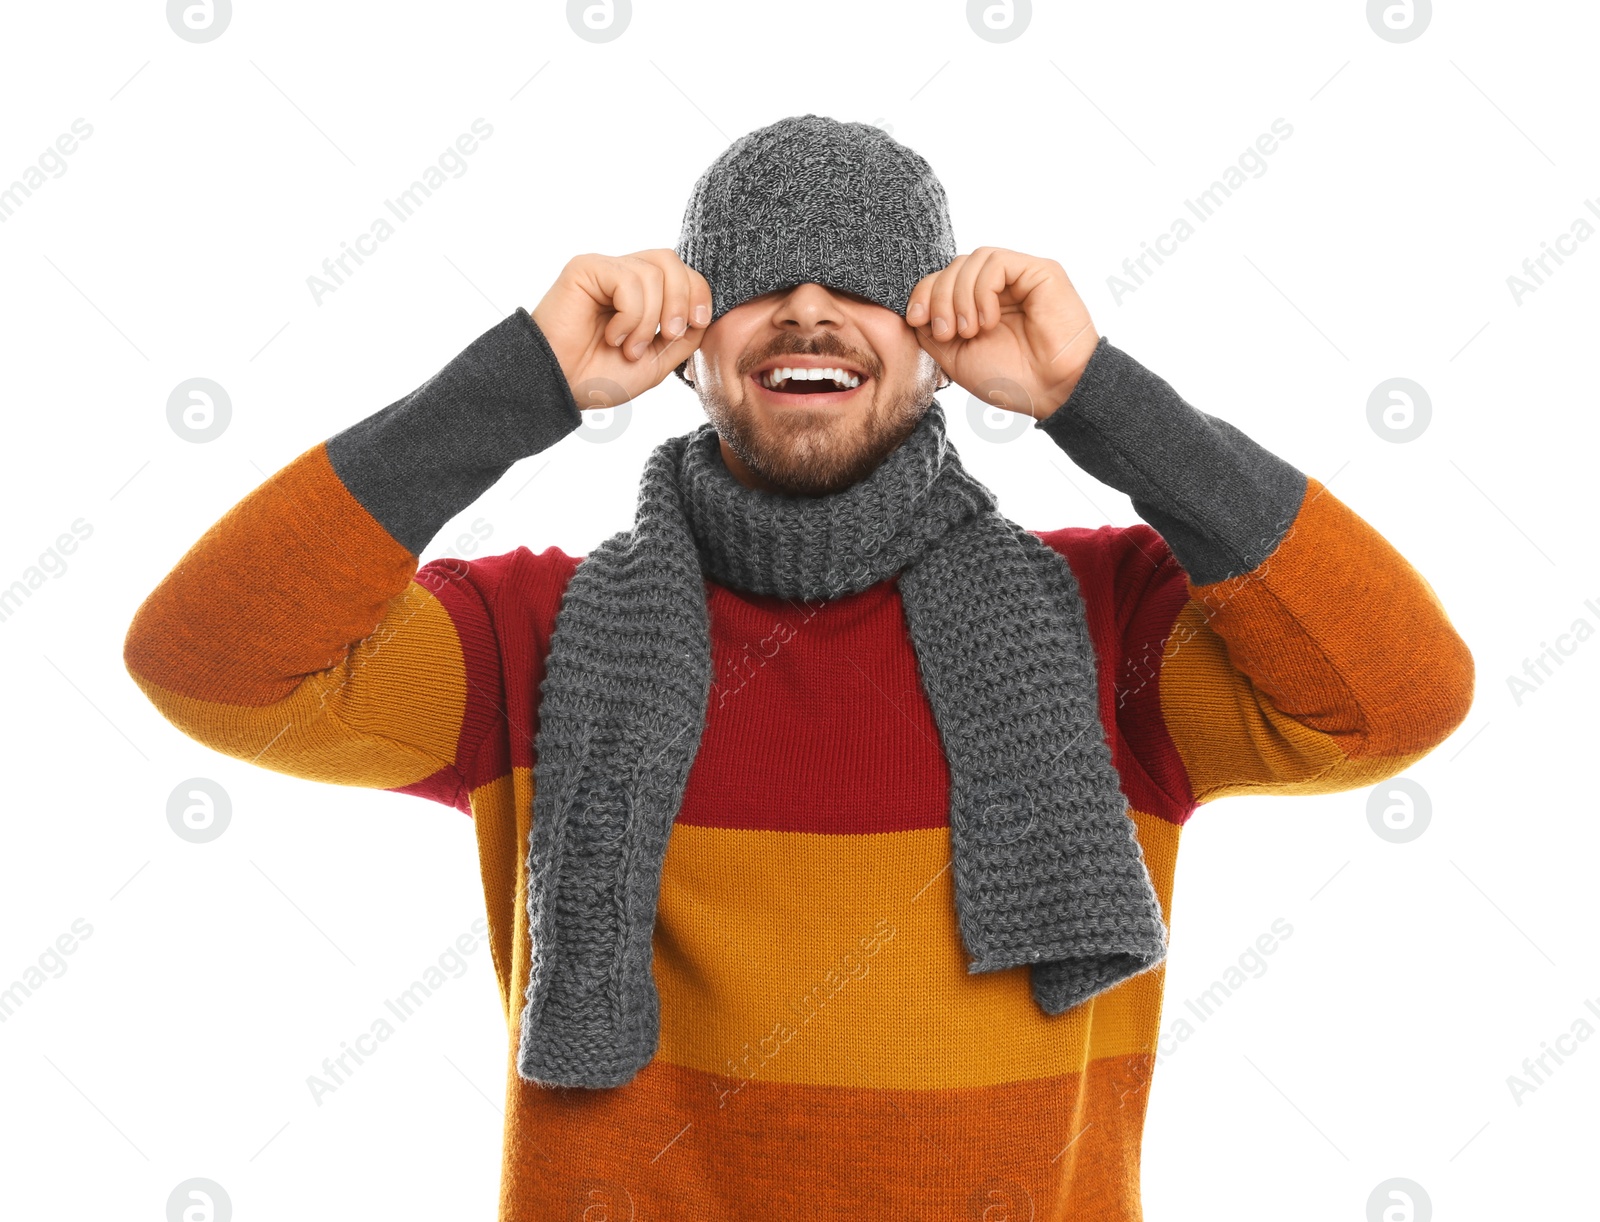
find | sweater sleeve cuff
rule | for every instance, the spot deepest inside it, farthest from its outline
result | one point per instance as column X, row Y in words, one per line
column 426, row 457
column 1220, row 500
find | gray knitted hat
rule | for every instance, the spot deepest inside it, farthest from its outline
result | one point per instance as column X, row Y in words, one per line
column 811, row 199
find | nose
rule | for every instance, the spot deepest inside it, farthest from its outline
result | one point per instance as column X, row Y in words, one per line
column 807, row 307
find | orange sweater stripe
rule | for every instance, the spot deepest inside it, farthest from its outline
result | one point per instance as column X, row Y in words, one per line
column 297, row 634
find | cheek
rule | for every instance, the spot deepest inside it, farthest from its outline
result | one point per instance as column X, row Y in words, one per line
column 915, row 371
column 713, row 369
column 902, row 357
column 722, row 362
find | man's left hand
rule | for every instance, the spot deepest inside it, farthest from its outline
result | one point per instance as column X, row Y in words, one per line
column 1006, row 326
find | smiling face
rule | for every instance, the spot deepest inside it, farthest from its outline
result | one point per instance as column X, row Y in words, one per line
column 809, row 436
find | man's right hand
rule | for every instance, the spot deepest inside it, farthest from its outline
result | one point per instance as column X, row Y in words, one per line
column 602, row 301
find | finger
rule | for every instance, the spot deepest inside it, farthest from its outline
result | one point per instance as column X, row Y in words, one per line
column 938, row 350
column 699, row 299
column 674, row 290
column 919, row 314
column 941, row 315
column 651, row 285
column 917, row 304
column 619, row 284
column 964, row 307
column 987, row 287
column 668, row 354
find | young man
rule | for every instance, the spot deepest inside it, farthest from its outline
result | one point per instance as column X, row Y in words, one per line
column 827, row 819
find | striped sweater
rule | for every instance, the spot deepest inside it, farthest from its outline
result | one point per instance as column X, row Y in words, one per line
column 823, row 1051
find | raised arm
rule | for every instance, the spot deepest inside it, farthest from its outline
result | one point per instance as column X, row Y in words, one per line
column 297, row 634
column 300, row 635
column 1309, row 656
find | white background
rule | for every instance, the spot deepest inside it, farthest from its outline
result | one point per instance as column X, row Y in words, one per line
column 1377, row 244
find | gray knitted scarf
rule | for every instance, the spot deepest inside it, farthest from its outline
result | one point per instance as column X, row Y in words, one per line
column 1046, row 866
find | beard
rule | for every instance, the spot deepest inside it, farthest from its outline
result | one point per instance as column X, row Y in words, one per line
column 815, row 453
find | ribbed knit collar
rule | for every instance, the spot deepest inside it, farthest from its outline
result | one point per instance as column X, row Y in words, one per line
column 827, row 546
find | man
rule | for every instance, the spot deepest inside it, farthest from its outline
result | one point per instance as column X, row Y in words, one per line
column 827, row 819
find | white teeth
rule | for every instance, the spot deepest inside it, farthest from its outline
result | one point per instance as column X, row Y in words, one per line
column 773, row 377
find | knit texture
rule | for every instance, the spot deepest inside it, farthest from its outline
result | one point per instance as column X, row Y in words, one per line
column 1047, row 870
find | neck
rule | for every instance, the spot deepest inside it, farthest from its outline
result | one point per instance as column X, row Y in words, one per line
column 765, row 542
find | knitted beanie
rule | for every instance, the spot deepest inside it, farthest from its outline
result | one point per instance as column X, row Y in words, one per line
column 810, row 199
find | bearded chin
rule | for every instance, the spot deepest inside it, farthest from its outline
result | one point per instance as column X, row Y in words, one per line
column 803, row 453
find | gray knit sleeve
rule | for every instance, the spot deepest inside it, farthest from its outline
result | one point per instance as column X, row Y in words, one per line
column 426, row 457
column 1220, row 500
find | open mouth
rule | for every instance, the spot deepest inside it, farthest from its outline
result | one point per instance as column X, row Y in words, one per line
column 821, row 383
